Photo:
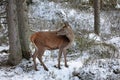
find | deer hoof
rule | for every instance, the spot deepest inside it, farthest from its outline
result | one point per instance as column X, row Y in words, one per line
column 46, row 69
column 66, row 66
column 36, row 70
column 57, row 66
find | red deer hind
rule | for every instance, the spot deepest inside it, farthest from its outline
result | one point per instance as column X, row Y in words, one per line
column 52, row 40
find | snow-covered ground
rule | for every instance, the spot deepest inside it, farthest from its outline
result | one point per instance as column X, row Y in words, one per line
column 100, row 69
column 25, row 70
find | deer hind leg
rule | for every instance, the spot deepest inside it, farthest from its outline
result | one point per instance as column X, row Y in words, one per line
column 64, row 53
column 34, row 59
column 41, row 52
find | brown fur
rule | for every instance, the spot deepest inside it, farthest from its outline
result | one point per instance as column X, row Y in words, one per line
column 52, row 40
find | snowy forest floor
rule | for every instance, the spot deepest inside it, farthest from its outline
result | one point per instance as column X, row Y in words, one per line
column 25, row 70
column 99, row 69
column 96, row 69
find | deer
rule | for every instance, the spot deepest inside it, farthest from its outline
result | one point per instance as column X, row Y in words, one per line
column 61, row 39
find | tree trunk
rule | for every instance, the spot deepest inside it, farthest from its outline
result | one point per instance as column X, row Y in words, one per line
column 97, row 16
column 14, row 42
column 113, row 3
column 23, row 27
column 101, row 4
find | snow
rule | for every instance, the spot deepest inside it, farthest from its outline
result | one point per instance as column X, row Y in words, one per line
column 118, row 5
column 79, row 20
column 45, row 10
column 4, row 47
column 23, row 72
column 53, row 11
column 101, row 69
column 95, row 37
column 115, row 40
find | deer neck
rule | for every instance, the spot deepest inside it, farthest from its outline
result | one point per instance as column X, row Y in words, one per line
column 70, row 36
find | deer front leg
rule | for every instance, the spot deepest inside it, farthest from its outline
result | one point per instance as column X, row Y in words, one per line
column 64, row 53
column 59, row 57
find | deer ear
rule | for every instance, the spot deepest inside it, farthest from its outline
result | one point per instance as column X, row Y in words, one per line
column 64, row 30
column 66, row 23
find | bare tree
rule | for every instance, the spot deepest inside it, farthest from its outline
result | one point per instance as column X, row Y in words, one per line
column 113, row 3
column 14, row 41
column 23, row 27
column 18, row 31
column 97, row 16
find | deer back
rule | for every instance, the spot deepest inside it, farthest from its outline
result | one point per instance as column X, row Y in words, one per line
column 49, row 40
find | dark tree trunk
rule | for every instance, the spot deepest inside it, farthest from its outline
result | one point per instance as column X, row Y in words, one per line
column 113, row 3
column 14, row 42
column 97, row 17
column 23, row 27
column 101, row 4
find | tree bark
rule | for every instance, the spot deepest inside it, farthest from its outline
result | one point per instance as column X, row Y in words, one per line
column 14, row 42
column 97, row 17
column 23, row 27
column 113, row 3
